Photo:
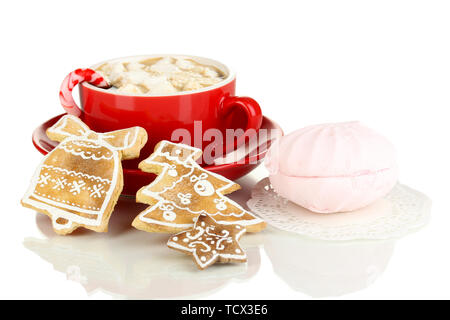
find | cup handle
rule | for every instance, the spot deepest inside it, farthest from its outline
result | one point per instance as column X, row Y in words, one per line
column 71, row 80
column 254, row 117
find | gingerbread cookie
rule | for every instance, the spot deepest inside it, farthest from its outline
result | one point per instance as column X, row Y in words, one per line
column 79, row 182
column 210, row 241
column 183, row 190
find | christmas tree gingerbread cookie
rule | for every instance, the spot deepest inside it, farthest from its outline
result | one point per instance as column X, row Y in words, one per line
column 210, row 241
column 183, row 190
column 79, row 182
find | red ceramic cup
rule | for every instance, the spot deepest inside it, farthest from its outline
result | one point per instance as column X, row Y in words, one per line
column 216, row 107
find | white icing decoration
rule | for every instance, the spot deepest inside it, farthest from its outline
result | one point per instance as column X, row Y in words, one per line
column 56, row 208
column 204, row 188
column 83, row 154
column 86, row 144
column 220, row 204
column 195, row 178
column 189, row 163
column 76, row 174
column 206, row 247
column 43, row 179
column 76, row 187
column 62, row 209
column 184, row 198
column 168, row 214
column 96, row 191
column 59, row 183
column 195, row 236
column 172, row 172
column 195, row 245
column 85, row 132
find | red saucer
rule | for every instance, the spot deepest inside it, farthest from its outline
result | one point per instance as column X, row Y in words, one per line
column 134, row 179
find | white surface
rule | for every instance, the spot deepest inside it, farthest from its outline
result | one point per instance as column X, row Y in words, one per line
column 385, row 63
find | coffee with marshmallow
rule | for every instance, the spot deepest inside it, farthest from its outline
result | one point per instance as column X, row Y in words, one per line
column 159, row 76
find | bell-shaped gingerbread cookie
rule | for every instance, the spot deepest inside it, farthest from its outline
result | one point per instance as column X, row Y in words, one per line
column 79, row 182
column 183, row 190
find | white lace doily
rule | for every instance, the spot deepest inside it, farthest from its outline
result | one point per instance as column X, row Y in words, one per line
column 401, row 211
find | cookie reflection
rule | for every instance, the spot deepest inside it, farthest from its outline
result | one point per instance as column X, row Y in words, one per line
column 127, row 263
column 325, row 268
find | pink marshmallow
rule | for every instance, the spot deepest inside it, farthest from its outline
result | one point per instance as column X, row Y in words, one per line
column 332, row 167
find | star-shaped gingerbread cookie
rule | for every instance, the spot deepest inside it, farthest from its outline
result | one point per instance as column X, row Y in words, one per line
column 210, row 241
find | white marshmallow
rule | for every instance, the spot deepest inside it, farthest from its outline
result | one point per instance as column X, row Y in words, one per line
column 165, row 76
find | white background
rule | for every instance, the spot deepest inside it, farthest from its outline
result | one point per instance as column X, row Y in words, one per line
column 385, row 63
